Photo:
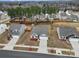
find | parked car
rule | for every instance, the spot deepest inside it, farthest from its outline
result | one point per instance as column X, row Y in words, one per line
column 34, row 37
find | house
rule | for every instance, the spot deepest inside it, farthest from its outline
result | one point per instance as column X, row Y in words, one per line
column 52, row 17
column 47, row 16
column 69, row 12
column 67, row 16
column 3, row 28
column 43, row 17
column 62, row 15
column 4, row 16
column 35, row 18
column 65, row 33
column 38, row 30
column 17, row 29
column 73, row 17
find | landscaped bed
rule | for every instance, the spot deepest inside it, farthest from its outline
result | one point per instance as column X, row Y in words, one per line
column 68, row 53
column 51, row 51
column 25, row 48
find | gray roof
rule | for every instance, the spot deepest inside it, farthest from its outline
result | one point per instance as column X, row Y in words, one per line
column 65, row 31
column 40, row 29
column 15, row 29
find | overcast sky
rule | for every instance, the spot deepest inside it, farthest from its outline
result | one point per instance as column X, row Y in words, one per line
column 34, row 0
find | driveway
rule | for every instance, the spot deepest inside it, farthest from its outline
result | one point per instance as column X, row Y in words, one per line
column 75, row 44
column 43, row 45
column 11, row 44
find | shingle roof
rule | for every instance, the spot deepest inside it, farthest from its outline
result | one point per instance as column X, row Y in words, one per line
column 67, row 31
column 15, row 29
column 40, row 29
column 64, row 31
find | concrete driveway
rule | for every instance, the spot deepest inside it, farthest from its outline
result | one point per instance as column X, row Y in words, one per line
column 43, row 45
column 75, row 44
column 11, row 44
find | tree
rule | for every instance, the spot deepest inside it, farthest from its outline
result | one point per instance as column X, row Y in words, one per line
column 29, row 11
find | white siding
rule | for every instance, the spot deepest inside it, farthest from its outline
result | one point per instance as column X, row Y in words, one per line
column 3, row 27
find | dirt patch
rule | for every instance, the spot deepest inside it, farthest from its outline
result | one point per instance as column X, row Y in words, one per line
column 54, row 41
column 25, row 40
column 4, row 38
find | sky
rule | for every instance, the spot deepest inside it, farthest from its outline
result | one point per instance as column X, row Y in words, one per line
column 34, row 0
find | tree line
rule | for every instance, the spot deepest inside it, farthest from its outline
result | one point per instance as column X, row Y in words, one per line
column 30, row 11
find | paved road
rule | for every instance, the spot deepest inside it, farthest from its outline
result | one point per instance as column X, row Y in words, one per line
column 14, row 54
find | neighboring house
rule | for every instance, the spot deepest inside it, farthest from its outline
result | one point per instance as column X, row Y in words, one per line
column 47, row 16
column 62, row 15
column 3, row 15
column 38, row 30
column 35, row 18
column 43, row 17
column 17, row 29
column 69, row 12
column 52, row 17
column 67, row 16
column 73, row 17
column 65, row 33
column 3, row 28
